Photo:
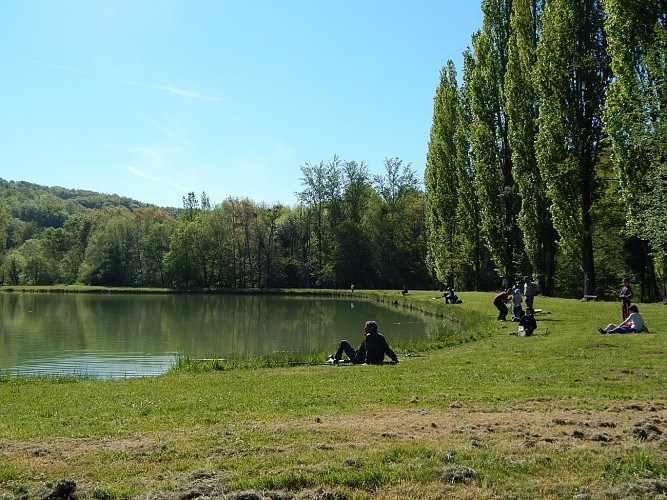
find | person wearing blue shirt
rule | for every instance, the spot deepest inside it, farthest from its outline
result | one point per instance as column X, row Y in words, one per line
column 517, row 299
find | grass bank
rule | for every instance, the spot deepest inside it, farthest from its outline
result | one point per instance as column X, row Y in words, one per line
column 568, row 413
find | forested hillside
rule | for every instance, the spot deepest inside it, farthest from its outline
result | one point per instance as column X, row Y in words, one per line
column 349, row 227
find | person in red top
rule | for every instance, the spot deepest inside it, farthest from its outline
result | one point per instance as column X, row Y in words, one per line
column 500, row 301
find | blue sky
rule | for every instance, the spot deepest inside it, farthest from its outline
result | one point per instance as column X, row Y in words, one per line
column 153, row 99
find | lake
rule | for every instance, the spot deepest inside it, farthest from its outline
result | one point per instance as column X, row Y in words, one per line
column 120, row 335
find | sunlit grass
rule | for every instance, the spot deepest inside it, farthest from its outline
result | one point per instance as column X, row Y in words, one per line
column 566, row 413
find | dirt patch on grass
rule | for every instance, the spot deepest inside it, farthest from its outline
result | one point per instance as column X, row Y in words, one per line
column 601, row 344
column 533, row 431
column 621, row 425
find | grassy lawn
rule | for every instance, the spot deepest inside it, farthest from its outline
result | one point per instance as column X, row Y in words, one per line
column 568, row 413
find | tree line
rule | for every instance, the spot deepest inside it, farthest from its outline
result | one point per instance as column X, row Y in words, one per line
column 349, row 227
column 549, row 158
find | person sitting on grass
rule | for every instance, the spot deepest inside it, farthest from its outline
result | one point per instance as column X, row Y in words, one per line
column 528, row 322
column 632, row 324
column 372, row 349
column 451, row 297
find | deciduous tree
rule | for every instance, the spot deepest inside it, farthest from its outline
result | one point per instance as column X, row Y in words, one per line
column 636, row 114
column 572, row 72
column 534, row 218
column 441, row 176
column 491, row 155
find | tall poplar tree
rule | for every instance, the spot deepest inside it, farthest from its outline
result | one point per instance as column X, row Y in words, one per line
column 539, row 235
column 636, row 114
column 440, row 176
column 491, row 154
column 468, row 212
column 572, row 72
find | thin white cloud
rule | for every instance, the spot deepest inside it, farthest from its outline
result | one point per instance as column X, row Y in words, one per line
column 62, row 68
column 153, row 177
column 191, row 94
column 152, row 165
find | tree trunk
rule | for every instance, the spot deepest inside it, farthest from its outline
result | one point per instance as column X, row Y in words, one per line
column 586, row 237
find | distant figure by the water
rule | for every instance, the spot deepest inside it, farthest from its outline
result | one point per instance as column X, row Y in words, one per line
column 451, row 297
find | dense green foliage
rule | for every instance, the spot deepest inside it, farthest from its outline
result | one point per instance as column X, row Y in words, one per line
column 571, row 79
column 534, row 219
column 490, row 150
column 349, row 228
column 635, row 116
column 565, row 196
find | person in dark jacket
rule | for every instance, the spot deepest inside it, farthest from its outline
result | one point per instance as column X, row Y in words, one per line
column 370, row 352
column 451, row 297
column 528, row 322
column 626, row 298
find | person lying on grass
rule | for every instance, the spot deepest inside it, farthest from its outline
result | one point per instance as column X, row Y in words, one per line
column 632, row 324
column 372, row 349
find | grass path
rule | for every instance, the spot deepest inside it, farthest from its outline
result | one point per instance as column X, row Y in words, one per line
column 568, row 413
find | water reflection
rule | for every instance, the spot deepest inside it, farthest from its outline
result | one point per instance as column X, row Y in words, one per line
column 135, row 335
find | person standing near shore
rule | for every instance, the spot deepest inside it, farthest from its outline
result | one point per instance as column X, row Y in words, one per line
column 517, row 299
column 626, row 298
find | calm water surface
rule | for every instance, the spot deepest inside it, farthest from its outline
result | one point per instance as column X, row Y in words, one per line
column 109, row 336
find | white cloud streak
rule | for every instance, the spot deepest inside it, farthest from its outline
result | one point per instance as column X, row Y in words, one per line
column 190, row 94
column 157, row 165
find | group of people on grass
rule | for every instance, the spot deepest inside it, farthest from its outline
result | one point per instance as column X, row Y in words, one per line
column 526, row 289
column 374, row 346
column 522, row 289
